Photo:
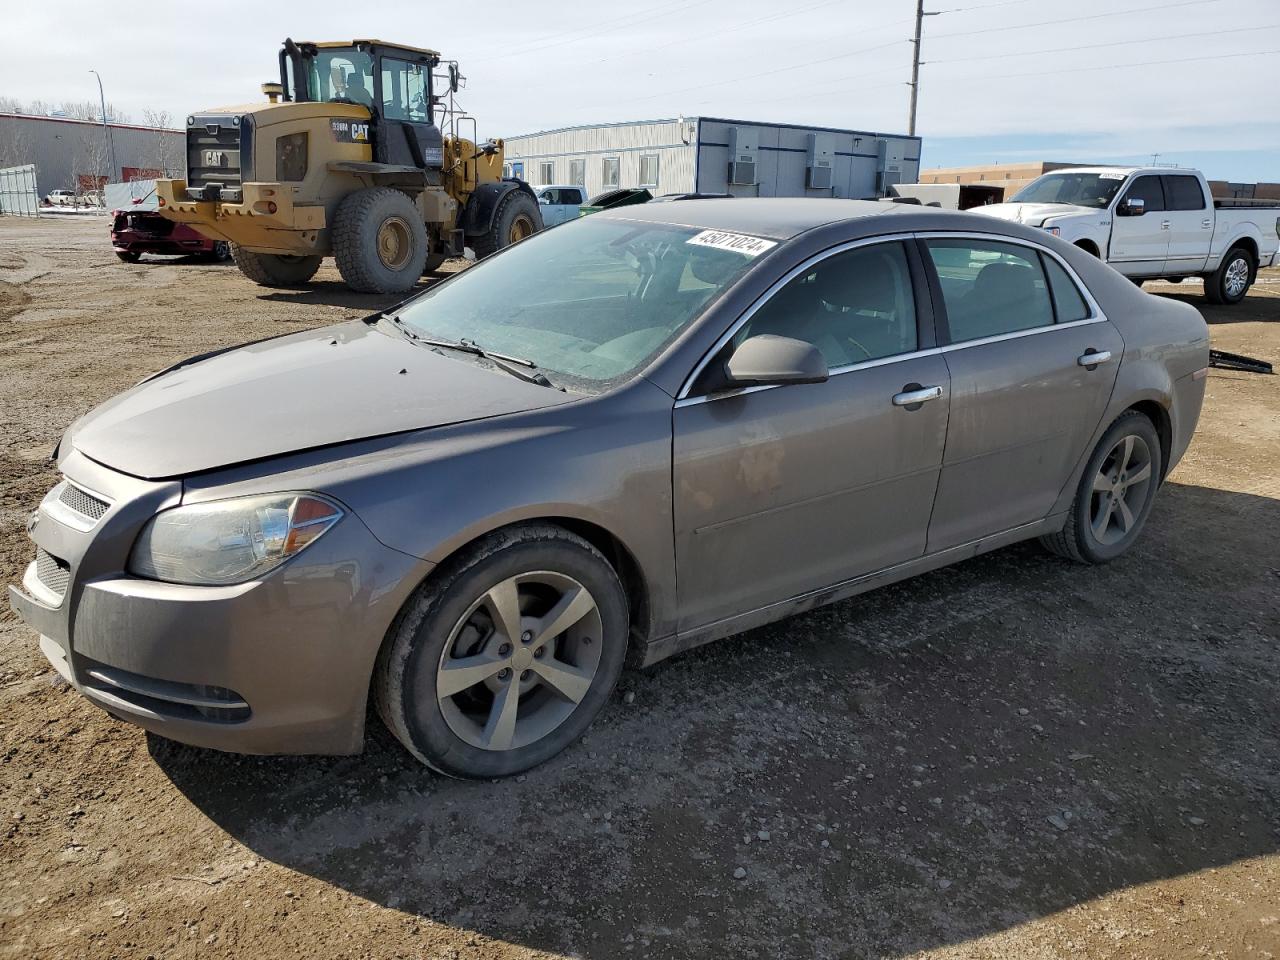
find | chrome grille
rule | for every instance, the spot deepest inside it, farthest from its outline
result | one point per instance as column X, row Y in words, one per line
column 85, row 504
column 52, row 572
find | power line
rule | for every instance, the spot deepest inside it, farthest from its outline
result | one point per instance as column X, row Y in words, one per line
column 1113, row 43
column 1120, row 66
column 1092, row 16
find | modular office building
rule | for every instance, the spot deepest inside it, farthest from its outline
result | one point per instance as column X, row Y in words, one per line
column 711, row 155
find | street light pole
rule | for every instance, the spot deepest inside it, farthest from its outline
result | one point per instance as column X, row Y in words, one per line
column 106, row 130
column 921, row 13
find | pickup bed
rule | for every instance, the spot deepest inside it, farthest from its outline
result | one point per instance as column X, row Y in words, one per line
column 1153, row 222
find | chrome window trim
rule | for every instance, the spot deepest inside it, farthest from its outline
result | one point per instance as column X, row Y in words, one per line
column 683, row 399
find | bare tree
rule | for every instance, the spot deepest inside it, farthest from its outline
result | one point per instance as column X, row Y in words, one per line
column 91, row 110
column 15, row 144
column 166, row 153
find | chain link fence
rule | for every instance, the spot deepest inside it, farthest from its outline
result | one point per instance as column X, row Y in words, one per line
column 18, row 194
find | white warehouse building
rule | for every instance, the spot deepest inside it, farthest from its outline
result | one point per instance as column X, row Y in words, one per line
column 714, row 155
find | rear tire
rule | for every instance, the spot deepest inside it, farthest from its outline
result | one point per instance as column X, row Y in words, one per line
column 1230, row 283
column 517, row 217
column 1114, row 495
column 379, row 241
column 128, row 256
column 275, row 270
column 221, row 251
column 452, row 633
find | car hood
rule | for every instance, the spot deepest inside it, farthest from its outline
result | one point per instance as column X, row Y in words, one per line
column 313, row 389
column 1034, row 214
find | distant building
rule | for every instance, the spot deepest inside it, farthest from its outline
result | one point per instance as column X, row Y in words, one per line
column 76, row 154
column 1012, row 177
column 713, row 155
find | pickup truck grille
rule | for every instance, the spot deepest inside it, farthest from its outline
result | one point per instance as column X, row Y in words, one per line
column 215, row 146
column 53, row 572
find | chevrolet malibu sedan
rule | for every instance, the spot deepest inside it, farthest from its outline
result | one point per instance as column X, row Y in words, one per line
column 617, row 440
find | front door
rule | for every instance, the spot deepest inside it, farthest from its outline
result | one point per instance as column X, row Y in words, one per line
column 782, row 490
column 407, row 134
column 1139, row 245
column 1023, row 405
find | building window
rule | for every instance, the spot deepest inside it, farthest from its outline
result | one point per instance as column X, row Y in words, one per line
column 547, row 171
column 649, row 170
column 610, row 172
column 578, row 172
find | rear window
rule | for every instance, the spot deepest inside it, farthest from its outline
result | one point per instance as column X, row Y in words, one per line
column 1183, row 193
column 990, row 288
column 1068, row 302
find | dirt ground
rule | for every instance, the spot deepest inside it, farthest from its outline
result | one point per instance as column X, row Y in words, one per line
column 1015, row 757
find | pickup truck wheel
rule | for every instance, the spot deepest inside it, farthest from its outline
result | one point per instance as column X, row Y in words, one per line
column 275, row 270
column 128, row 256
column 505, row 655
column 379, row 241
column 517, row 217
column 1231, row 281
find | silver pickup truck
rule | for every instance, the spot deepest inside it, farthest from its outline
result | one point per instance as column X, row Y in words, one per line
column 1153, row 222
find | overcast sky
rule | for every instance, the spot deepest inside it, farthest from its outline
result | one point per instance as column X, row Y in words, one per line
column 1106, row 80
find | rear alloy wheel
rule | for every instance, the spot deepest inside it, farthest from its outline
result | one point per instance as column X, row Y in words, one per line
column 1115, row 493
column 505, row 659
column 1231, row 281
column 379, row 241
column 275, row 269
column 221, row 251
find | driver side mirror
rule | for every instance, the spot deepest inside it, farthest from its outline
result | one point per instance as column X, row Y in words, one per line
column 770, row 359
column 453, row 78
column 1131, row 207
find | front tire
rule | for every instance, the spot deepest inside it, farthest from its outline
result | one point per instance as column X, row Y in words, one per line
column 1115, row 493
column 275, row 270
column 379, row 241
column 129, row 256
column 517, row 217
column 1231, row 281
column 502, row 659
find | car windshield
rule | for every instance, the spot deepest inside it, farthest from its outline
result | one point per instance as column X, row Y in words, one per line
column 341, row 74
column 588, row 302
column 1081, row 189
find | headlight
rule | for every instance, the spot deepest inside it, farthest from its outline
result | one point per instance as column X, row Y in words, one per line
column 229, row 541
column 291, row 157
column 1056, row 231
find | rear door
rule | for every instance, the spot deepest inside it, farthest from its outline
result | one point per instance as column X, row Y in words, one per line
column 779, row 491
column 1017, row 333
column 1190, row 224
column 1139, row 245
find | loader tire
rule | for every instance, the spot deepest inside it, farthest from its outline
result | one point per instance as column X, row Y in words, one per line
column 275, row 270
column 517, row 217
column 379, row 241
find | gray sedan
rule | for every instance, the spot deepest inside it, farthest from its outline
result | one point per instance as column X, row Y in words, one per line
column 619, row 439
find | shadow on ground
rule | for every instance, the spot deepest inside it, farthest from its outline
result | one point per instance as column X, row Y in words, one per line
column 932, row 762
column 336, row 294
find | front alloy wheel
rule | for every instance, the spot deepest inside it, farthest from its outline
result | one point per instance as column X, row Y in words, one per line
column 506, row 654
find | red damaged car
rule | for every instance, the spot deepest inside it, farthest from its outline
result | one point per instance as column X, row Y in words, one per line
column 138, row 231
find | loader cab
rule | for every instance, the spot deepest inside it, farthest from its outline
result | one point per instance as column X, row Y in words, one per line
column 394, row 82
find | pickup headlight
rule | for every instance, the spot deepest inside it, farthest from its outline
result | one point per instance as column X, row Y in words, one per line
column 291, row 157
column 1056, row 231
column 230, row 541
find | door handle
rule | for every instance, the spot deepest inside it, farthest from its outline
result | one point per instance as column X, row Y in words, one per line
column 916, row 396
column 1206, row 223
column 1164, row 224
column 1092, row 358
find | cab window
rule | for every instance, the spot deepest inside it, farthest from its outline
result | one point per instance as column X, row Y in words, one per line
column 854, row 306
column 404, row 91
column 341, row 75
column 1183, row 193
column 990, row 288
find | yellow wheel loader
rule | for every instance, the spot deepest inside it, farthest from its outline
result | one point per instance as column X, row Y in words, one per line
column 346, row 159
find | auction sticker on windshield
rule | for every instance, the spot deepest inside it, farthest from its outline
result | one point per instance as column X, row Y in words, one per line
column 737, row 242
column 1112, row 176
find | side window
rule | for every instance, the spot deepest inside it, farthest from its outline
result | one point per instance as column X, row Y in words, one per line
column 1183, row 193
column 547, row 172
column 1067, row 301
column 853, row 306
column 404, row 91
column 648, row 170
column 609, row 171
column 578, row 172
column 1148, row 189
column 990, row 288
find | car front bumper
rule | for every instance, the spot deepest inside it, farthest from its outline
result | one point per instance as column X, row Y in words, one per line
column 276, row 665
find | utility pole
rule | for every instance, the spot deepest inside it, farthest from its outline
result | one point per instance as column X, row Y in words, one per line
column 106, row 130
column 921, row 13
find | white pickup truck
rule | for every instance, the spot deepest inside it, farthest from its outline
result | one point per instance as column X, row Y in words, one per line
column 1153, row 222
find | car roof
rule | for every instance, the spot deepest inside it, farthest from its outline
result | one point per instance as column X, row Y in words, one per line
column 779, row 218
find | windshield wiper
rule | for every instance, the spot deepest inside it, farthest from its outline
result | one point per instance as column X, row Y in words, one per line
column 507, row 364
